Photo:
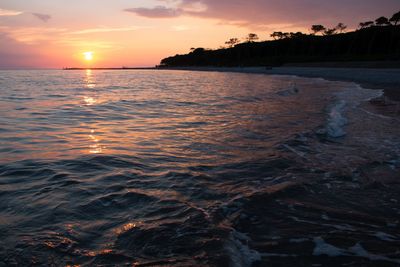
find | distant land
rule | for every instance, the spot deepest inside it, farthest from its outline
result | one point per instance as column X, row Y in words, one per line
column 122, row 68
column 372, row 42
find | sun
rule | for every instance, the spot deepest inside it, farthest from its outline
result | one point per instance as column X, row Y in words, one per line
column 88, row 56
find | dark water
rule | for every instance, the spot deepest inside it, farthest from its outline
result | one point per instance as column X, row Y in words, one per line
column 169, row 168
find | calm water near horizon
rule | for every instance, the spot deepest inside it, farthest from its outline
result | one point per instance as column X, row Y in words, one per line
column 180, row 168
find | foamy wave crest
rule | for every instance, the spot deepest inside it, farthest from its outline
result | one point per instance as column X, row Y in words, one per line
column 337, row 120
column 240, row 253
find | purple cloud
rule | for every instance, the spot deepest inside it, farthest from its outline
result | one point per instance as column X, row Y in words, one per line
column 156, row 12
column 42, row 17
column 277, row 11
column 253, row 13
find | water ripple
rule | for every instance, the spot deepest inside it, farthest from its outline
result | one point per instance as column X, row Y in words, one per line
column 103, row 168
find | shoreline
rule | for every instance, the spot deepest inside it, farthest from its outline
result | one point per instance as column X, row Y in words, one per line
column 373, row 78
column 387, row 80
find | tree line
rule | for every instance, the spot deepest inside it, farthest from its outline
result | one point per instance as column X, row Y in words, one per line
column 372, row 41
column 318, row 29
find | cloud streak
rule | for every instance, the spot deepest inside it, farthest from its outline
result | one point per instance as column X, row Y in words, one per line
column 42, row 17
column 104, row 30
column 31, row 35
column 156, row 12
column 6, row 13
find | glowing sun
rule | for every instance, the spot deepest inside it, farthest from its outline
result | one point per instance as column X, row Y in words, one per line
column 88, row 56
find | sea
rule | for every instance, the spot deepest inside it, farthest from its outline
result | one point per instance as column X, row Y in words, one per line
column 191, row 168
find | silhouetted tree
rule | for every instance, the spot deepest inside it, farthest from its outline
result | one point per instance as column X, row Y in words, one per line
column 232, row 42
column 395, row 18
column 330, row 31
column 317, row 29
column 296, row 34
column 371, row 44
column 286, row 35
column 251, row 37
column 199, row 50
column 381, row 21
column 366, row 24
column 277, row 35
column 341, row 27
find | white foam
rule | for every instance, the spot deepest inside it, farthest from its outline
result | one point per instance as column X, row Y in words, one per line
column 325, row 217
column 349, row 98
column 298, row 153
column 385, row 237
column 359, row 251
column 240, row 253
column 336, row 120
column 323, row 248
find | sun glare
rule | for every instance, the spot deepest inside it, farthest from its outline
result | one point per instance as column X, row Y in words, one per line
column 88, row 56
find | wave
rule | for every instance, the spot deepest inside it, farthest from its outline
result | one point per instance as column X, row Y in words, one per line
column 337, row 120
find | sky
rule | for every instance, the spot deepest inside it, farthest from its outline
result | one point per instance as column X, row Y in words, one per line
column 139, row 33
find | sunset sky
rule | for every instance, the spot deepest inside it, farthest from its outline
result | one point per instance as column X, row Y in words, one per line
column 57, row 33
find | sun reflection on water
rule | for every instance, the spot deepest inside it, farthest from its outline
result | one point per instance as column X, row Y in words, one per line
column 126, row 227
column 89, row 80
column 89, row 101
column 96, row 147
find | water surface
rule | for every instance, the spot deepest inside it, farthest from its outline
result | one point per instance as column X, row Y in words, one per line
column 161, row 168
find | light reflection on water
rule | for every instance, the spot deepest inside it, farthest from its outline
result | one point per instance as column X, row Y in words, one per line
column 89, row 79
column 139, row 112
column 96, row 147
column 137, row 161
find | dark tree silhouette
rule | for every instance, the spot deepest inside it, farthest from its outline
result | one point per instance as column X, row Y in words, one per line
column 372, row 43
column 277, row 35
column 232, row 42
column 330, row 31
column 286, row 35
column 381, row 21
column 366, row 24
column 395, row 18
column 296, row 35
column 252, row 37
column 317, row 29
column 199, row 50
column 341, row 27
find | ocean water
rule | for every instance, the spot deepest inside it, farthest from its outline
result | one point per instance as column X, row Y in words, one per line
column 179, row 168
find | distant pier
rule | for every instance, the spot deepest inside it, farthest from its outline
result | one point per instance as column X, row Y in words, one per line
column 122, row 68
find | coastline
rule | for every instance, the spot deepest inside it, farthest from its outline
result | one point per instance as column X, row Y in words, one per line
column 373, row 78
column 386, row 79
